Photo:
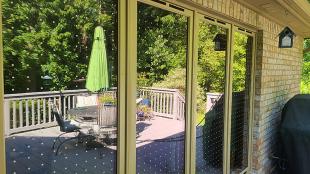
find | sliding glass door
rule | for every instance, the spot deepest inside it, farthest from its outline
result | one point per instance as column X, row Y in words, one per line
column 61, row 83
column 211, row 92
column 162, row 58
column 224, row 90
column 241, row 96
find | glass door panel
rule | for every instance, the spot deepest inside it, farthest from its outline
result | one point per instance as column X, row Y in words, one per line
column 211, row 73
column 60, row 70
column 161, row 68
column 241, row 101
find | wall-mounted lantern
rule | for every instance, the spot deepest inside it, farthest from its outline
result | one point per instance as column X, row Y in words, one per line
column 286, row 38
column 220, row 42
column 47, row 81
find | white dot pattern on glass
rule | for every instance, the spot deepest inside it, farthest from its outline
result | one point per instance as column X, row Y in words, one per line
column 30, row 150
column 36, row 155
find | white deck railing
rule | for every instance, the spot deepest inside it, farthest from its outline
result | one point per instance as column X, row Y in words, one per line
column 165, row 102
column 29, row 111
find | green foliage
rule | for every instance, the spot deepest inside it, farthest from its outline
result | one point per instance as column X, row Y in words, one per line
column 174, row 80
column 107, row 99
column 55, row 37
column 52, row 38
column 239, row 62
column 305, row 78
column 160, row 47
column 211, row 69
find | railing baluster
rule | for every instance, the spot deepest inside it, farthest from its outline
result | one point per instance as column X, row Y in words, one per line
column 74, row 101
column 59, row 104
column 21, row 120
column 38, row 112
column 14, row 114
column 183, row 111
column 27, row 112
column 55, row 104
column 157, row 102
column 49, row 110
column 164, row 103
column 44, row 110
column 170, row 104
column 69, row 101
column 64, row 106
column 32, row 112
column 154, row 102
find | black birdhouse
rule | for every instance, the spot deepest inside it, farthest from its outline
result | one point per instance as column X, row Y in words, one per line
column 220, row 42
column 286, row 38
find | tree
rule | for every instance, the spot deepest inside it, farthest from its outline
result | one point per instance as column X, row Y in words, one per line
column 211, row 72
column 53, row 38
column 305, row 77
column 160, row 48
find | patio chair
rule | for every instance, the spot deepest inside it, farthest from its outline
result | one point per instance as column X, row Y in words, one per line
column 66, row 127
column 87, row 100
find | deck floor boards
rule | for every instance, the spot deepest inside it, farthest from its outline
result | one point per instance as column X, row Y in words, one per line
column 30, row 152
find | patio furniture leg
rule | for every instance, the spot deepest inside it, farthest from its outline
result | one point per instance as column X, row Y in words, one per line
column 63, row 143
column 57, row 138
column 79, row 137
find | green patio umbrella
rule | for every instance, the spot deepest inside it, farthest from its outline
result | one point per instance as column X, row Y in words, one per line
column 97, row 75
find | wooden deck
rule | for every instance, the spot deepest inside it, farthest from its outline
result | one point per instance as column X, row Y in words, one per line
column 30, row 152
column 160, row 149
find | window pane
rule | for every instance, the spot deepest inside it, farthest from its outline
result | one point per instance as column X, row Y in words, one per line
column 60, row 72
column 210, row 92
column 242, row 62
column 162, row 50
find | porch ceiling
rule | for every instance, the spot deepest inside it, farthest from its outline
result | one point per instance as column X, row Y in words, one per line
column 292, row 13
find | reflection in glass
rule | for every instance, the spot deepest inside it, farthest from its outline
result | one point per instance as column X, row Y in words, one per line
column 52, row 49
column 161, row 90
column 242, row 62
column 210, row 98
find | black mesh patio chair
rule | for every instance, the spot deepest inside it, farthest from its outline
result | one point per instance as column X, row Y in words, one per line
column 66, row 127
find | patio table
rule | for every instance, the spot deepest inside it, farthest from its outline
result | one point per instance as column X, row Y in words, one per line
column 86, row 113
column 87, row 116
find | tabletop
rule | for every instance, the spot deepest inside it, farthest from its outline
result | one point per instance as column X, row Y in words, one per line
column 85, row 112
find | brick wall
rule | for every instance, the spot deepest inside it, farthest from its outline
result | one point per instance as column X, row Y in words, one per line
column 278, row 72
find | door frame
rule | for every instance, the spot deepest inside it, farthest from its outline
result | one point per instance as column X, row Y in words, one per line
column 2, row 138
column 214, row 21
column 251, row 33
column 178, row 9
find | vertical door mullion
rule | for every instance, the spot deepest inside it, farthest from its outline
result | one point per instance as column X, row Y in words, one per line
column 228, row 101
column 121, row 90
column 188, row 101
column 2, row 139
column 252, row 95
column 131, row 84
column 193, row 98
